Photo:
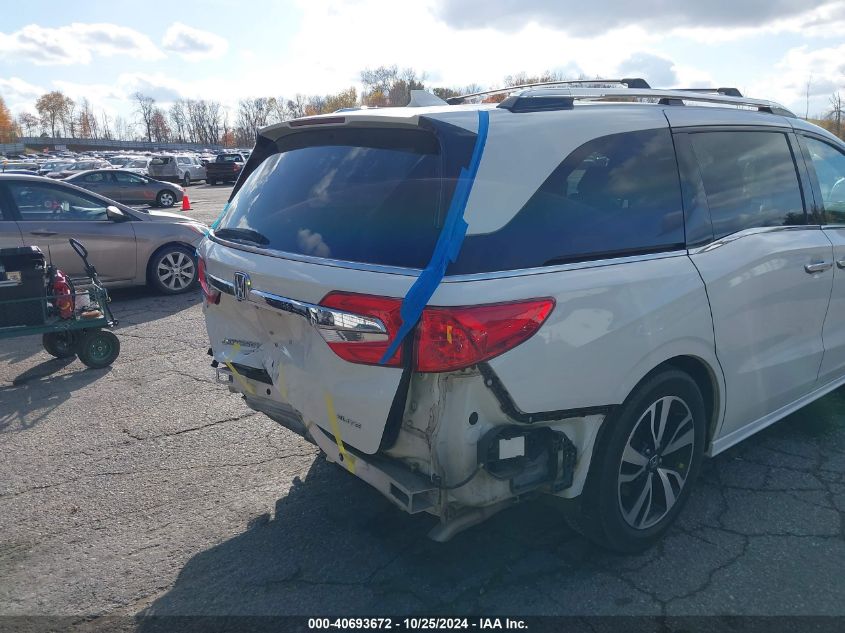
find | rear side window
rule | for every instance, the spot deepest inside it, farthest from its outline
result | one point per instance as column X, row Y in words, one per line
column 368, row 196
column 829, row 165
column 615, row 195
column 749, row 179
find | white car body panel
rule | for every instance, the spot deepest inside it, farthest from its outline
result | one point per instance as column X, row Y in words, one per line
column 304, row 369
column 768, row 314
column 593, row 330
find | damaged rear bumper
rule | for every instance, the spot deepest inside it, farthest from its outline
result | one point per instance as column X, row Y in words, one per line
column 524, row 458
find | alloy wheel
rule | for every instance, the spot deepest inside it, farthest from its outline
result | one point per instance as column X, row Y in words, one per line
column 176, row 270
column 656, row 462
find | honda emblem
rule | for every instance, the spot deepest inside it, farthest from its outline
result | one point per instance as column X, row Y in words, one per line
column 242, row 285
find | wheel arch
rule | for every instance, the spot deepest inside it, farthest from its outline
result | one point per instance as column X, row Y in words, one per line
column 707, row 379
column 186, row 245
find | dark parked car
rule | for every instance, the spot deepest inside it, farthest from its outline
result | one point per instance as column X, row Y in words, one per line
column 128, row 188
column 225, row 168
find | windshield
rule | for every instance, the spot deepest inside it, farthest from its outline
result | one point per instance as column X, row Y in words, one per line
column 367, row 196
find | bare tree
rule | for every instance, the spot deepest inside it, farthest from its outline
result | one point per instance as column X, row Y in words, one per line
column 159, row 130
column 122, row 129
column 295, row 107
column 87, row 122
column 106, row 127
column 835, row 113
column 253, row 114
column 28, row 123
column 388, row 86
column 280, row 112
column 69, row 118
column 178, row 116
column 807, row 95
column 145, row 110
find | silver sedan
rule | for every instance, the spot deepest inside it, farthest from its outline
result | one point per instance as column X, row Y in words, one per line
column 127, row 246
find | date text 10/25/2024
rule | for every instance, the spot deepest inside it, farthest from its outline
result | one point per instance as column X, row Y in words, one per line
column 417, row 624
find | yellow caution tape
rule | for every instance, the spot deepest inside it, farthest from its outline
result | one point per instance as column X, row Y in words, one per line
column 283, row 386
column 244, row 385
column 347, row 459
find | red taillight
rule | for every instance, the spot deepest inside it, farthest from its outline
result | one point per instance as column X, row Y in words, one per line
column 453, row 338
column 211, row 295
column 447, row 338
column 385, row 309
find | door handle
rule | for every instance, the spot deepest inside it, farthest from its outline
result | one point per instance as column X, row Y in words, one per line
column 43, row 233
column 817, row 267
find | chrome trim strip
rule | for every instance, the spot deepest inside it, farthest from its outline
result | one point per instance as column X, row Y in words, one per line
column 333, row 324
column 221, row 285
column 752, row 231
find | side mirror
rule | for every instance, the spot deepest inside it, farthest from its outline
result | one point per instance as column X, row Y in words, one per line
column 114, row 213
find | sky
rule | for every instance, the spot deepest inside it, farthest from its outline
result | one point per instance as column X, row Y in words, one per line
column 230, row 49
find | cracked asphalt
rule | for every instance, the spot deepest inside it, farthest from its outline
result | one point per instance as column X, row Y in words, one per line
column 148, row 489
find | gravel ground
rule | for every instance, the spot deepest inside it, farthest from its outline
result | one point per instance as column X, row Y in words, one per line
column 146, row 488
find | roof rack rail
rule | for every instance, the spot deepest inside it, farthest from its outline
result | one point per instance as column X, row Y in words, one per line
column 630, row 82
column 728, row 92
column 537, row 100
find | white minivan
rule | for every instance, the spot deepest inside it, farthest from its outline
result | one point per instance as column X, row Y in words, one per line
column 579, row 292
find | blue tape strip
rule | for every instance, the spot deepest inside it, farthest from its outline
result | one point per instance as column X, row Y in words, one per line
column 448, row 244
column 220, row 217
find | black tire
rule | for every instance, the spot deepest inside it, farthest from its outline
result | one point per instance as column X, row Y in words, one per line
column 60, row 344
column 165, row 198
column 98, row 348
column 620, row 514
column 211, row 181
column 173, row 259
column 186, row 180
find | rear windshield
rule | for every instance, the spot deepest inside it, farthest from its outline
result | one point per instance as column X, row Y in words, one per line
column 368, row 196
column 229, row 158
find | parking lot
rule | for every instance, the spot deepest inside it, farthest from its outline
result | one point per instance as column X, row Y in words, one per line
column 147, row 488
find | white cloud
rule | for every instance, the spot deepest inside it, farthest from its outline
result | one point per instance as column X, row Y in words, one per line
column 659, row 71
column 193, row 44
column 18, row 94
column 591, row 19
column 76, row 43
column 823, row 67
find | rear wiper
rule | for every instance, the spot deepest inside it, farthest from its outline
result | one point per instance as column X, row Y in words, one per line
column 242, row 235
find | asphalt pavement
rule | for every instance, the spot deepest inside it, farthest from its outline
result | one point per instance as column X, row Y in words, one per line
column 148, row 489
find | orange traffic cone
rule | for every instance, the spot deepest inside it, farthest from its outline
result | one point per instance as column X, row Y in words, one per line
column 186, row 203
